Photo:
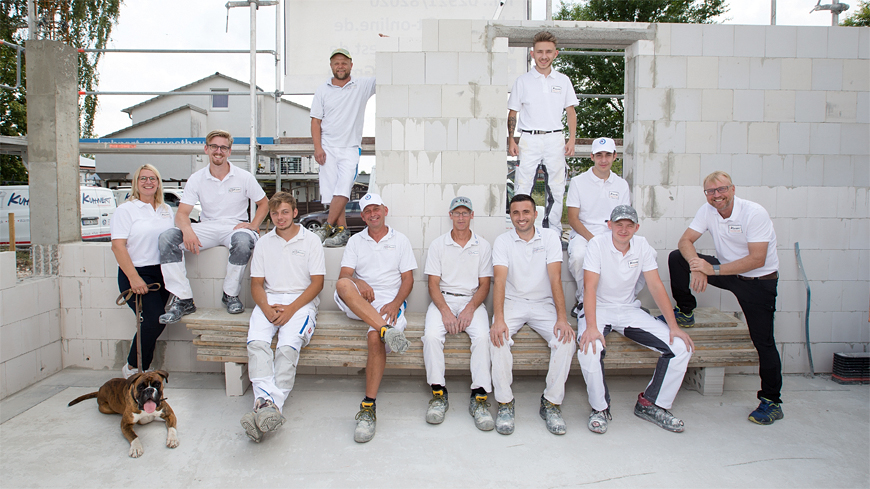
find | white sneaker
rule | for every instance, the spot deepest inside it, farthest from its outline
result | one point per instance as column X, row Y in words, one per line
column 128, row 371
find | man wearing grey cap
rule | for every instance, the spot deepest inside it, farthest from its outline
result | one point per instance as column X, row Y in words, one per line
column 337, row 113
column 459, row 270
column 614, row 262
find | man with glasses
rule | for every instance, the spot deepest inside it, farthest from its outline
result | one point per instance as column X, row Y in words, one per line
column 748, row 266
column 224, row 192
column 459, row 270
column 336, row 129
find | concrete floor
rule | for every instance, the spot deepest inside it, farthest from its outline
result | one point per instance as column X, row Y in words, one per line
column 822, row 442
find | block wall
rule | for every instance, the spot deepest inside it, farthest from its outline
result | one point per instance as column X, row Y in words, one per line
column 30, row 336
column 785, row 111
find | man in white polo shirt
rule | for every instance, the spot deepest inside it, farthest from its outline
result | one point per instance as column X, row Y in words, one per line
column 224, row 191
column 747, row 265
column 527, row 289
column 540, row 96
column 337, row 114
column 375, row 279
column 459, row 270
column 287, row 272
column 614, row 262
column 592, row 195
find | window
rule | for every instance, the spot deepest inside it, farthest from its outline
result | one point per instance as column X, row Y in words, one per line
column 220, row 102
column 292, row 164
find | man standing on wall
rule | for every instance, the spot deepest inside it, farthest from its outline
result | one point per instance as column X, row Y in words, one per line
column 539, row 97
column 748, row 266
column 337, row 114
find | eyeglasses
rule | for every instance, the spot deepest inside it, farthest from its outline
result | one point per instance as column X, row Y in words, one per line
column 147, row 179
column 461, row 214
column 721, row 190
column 215, row 147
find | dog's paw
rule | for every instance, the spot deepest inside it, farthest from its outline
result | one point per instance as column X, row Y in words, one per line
column 136, row 449
column 171, row 438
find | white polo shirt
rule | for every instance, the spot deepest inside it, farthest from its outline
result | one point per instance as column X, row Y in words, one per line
column 341, row 111
column 527, row 278
column 380, row 264
column 460, row 267
column 749, row 223
column 288, row 266
column 140, row 224
column 222, row 199
column 596, row 199
column 618, row 273
column 540, row 100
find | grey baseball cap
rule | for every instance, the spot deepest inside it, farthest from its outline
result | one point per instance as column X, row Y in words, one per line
column 623, row 212
column 461, row 202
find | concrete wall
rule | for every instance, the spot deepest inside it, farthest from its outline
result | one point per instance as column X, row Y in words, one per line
column 785, row 111
column 30, row 336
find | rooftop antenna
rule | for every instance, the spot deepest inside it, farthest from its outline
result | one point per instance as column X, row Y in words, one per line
column 836, row 9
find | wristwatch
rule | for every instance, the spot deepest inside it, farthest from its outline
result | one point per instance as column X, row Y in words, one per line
column 716, row 270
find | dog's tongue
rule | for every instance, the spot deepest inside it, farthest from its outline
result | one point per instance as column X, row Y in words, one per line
column 150, row 406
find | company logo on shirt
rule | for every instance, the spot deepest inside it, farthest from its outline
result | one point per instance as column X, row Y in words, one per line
column 473, row 252
column 298, row 252
column 234, row 190
column 614, row 194
column 389, row 247
column 537, row 249
column 164, row 215
column 735, row 229
column 556, row 90
column 633, row 263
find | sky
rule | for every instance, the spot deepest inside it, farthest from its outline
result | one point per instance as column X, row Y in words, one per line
column 207, row 24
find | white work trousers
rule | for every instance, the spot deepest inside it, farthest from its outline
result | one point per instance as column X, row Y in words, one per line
column 638, row 326
column 433, row 343
column 541, row 317
column 547, row 150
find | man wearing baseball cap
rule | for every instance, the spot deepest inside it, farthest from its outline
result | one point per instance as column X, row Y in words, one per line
column 375, row 279
column 337, row 113
column 592, row 195
column 614, row 263
column 459, row 270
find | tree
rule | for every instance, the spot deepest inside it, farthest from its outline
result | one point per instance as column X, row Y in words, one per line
column 606, row 74
column 861, row 17
column 81, row 24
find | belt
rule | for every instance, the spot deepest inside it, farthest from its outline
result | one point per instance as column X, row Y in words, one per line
column 454, row 295
column 769, row 276
column 541, row 132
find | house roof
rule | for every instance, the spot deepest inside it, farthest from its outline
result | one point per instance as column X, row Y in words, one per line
column 215, row 75
column 160, row 116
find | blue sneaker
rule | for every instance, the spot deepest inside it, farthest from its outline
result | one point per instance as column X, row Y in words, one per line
column 767, row 412
column 683, row 320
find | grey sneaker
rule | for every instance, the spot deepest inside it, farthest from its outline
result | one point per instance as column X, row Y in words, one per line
column 366, row 420
column 249, row 423
column 177, row 309
column 504, row 421
column 576, row 310
column 598, row 421
column 234, row 305
column 656, row 415
column 552, row 414
column 268, row 416
column 437, row 407
column 479, row 409
column 324, row 232
column 338, row 239
column 395, row 339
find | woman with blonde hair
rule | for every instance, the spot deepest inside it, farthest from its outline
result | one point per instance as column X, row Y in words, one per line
column 135, row 227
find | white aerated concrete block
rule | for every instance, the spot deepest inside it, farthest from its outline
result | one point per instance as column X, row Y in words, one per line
column 843, row 43
column 458, row 101
column 392, row 101
column 670, row 72
column 437, row 201
column 651, row 104
column 808, row 170
column 478, row 36
column 410, row 44
column 734, row 73
column 384, row 67
column 794, row 138
column 686, row 104
column 489, row 101
column 864, row 44
column 686, row 39
column 717, row 105
column 749, row 41
column 702, row 72
column 763, row 138
column 392, row 167
column 441, row 68
column 458, row 167
column 774, row 172
column 796, row 74
column 384, row 133
column 812, row 42
column 425, row 167
column 686, row 170
column 389, row 44
column 718, row 40
column 732, row 137
column 424, row 101
column 644, row 71
column 842, row 107
column 854, row 139
column 856, row 75
column 409, row 68
column 780, row 42
column 779, row 105
column 838, row 171
column 827, row 74
column 810, row 106
column 429, row 39
column 701, row 137
column 489, row 168
column 478, row 135
column 439, row 134
column 670, row 136
column 474, row 68
column 764, row 73
column 823, row 138
column 744, row 169
column 500, row 68
column 454, row 35
column 748, row 105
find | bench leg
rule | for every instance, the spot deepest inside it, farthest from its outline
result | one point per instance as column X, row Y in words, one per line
column 709, row 381
column 236, row 375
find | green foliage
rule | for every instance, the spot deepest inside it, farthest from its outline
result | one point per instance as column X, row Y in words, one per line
column 861, row 17
column 13, row 103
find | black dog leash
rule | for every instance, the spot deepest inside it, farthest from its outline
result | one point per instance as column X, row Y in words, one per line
column 122, row 300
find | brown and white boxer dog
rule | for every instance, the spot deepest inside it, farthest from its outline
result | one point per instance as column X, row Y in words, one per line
column 138, row 399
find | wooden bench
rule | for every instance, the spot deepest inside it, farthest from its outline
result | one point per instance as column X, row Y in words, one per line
column 721, row 340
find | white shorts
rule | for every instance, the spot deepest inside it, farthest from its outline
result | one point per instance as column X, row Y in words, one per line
column 295, row 333
column 401, row 321
column 338, row 173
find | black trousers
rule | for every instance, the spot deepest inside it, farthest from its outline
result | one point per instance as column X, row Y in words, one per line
column 757, row 299
column 153, row 305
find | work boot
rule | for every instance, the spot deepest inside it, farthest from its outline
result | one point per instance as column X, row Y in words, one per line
column 598, row 421
column 338, row 239
column 269, row 418
column 552, row 414
column 366, row 419
column 177, row 309
column 504, row 421
column 324, row 232
column 656, row 415
column 437, row 407
column 577, row 308
column 767, row 412
column 234, row 305
column 249, row 421
column 683, row 320
column 479, row 410
column 394, row 338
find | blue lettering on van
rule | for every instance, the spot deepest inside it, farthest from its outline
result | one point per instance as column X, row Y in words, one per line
column 88, row 199
column 18, row 199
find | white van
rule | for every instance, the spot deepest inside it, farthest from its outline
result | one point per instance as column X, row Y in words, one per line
column 172, row 197
column 97, row 206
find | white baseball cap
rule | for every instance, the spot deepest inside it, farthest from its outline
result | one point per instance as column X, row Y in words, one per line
column 370, row 199
column 603, row 144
